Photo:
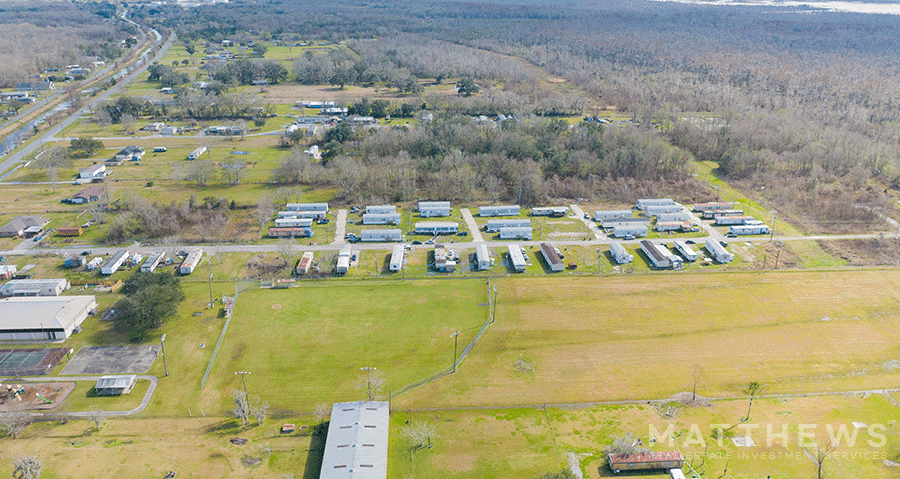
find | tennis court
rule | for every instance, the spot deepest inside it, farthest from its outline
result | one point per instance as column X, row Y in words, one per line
column 29, row 362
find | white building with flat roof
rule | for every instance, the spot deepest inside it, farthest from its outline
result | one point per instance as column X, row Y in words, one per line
column 34, row 287
column 357, row 443
column 43, row 318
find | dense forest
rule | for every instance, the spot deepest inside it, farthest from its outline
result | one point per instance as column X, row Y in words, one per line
column 798, row 106
column 36, row 35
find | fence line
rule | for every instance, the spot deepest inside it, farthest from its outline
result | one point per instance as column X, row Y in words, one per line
column 238, row 289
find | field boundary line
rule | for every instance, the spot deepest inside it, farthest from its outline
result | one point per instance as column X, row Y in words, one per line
column 238, row 289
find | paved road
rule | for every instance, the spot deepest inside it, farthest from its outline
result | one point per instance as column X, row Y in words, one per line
column 153, row 382
column 473, row 226
column 51, row 133
column 340, row 227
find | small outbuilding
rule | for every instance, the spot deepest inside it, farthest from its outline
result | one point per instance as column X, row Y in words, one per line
column 115, row 385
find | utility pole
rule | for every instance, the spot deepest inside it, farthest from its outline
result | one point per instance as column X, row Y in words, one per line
column 774, row 219
column 494, row 306
column 162, row 343
column 779, row 244
column 210, row 292
column 455, row 337
column 368, row 370
column 242, row 373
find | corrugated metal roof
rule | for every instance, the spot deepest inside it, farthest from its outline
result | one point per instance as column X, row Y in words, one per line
column 653, row 456
column 44, row 312
column 357, row 442
column 31, row 286
column 550, row 254
column 115, row 382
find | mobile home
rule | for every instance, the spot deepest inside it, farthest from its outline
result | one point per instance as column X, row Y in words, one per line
column 153, row 261
column 718, row 252
column 658, row 258
column 293, row 222
column 731, row 220
column 307, row 207
column 197, row 153
column 711, row 214
column 635, row 230
column 685, row 251
column 482, row 257
column 381, row 235
column 313, row 214
column 552, row 257
column 504, row 210
column 673, row 217
column 674, row 225
column 397, row 257
column 437, row 227
column 655, row 210
column 380, row 209
column 305, row 262
column 381, row 219
column 516, row 258
column 712, row 206
column 612, row 223
column 516, row 233
column 343, row 260
column 554, row 211
column 603, row 215
column 645, row 461
column 741, row 230
column 434, row 208
column 190, row 261
column 114, row 262
column 495, row 225
column 619, row 254
column 645, row 202
column 299, row 232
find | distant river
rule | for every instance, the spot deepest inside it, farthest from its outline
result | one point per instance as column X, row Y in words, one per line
column 854, row 7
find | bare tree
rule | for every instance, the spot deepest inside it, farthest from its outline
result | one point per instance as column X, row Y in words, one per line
column 259, row 412
column 823, row 453
column 371, row 383
column 27, row 466
column 696, row 377
column 241, row 407
column 12, row 424
column 322, row 411
column 233, row 169
column 419, row 434
column 200, row 172
column 494, row 187
column 53, row 160
column 98, row 416
column 627, row 444
column 264, row 210
column 97, row 212
column 127, row 122
column 103, row 118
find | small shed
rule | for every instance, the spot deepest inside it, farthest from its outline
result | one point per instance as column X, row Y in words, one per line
column 115, row 385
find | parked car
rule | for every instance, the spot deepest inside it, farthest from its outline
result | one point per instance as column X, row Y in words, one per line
column 322, row 221
column 724, row 243
column 587, row 216
column 354, row 209
column 431, row 241
column 689, row 241
column 416, row 242
column 85, row 253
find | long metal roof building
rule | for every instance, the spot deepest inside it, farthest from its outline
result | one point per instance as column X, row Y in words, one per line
column 44, row 317
column 357, row 443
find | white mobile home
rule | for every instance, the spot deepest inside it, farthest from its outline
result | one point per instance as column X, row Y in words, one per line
column 380, row 210
column 34, row 287
column 686, row 251
column 655, row 210
column 754, row 222
column 505, row 210
column 625, row 222
column 94, row 264
column 482, row 257
column 114, row 262
column 516, row 233
column 434, row 208
column 437, row 227
column 555, row 211
column 197, row 153
column 710, row 214
column 673, row 217
column 712, row 206
column 635, row 230
column 496, row 225
column 190, row 261
column 604, row 215
column 731, row 220
column 307, row 207
column 741, row 230
column 381, row 219
column 516, row 258
column 718, row 252
column 397, row 257
column 343, row 260
column 552, row 257
column 305, row 262
column 153, row 261
column 381, row 235
column 302, row 214
column 673, row 225
column 293, row 222
column 656, row 257
column 619, row 254
column 645, row 202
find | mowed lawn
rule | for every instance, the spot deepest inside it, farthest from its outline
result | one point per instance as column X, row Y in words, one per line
column 306, row 345
column 638, row 337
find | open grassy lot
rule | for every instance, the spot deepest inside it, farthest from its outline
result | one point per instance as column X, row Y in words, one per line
column 305, row 345
column 517, row 443
column 617, row 337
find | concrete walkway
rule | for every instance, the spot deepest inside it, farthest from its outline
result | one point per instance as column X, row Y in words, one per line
column 473, row 226
column 591, row 224
column 340, row 227
column 153, row 382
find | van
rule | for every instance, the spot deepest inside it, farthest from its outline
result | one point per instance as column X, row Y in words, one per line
column 160, row 149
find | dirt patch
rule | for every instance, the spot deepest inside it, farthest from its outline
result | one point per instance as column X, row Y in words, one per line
column 576, row 234
column 31, row 393
column 238, row 441
column 276, row 306
column 251, row 461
